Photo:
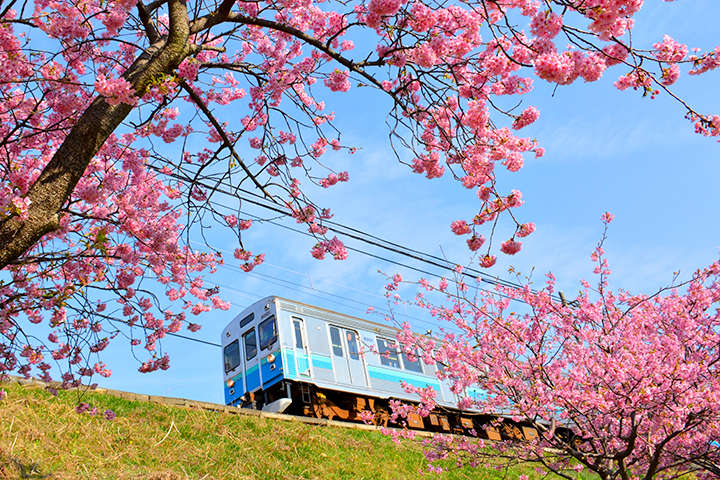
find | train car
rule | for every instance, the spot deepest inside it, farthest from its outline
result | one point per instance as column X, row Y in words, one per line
column 285, row 356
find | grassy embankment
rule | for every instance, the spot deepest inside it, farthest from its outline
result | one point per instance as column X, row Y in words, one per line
column 41, row 436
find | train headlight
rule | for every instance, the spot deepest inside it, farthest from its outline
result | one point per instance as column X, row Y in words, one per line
column 231, row 383
column 271, row 358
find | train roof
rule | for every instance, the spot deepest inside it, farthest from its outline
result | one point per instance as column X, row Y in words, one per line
column 375, row 326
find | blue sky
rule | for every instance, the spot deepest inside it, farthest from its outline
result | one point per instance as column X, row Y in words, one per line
column 606, row 151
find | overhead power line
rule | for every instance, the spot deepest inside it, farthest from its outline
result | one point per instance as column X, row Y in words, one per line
column 345, row 231
column 358, row 235
column 194, row 339
column 363, row 306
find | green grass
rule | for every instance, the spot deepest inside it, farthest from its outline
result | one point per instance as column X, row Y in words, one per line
column 41, row 436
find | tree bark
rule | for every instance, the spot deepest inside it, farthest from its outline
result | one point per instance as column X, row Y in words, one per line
column 56, row 182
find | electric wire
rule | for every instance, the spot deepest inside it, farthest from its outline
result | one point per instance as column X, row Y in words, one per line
column 323, row 280
column 355, row 234
column 256, row 274
column 270, row 278
column 198, row 340
column 363, row 252
column 346, row 231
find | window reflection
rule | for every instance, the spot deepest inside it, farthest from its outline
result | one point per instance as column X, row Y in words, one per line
column 232, row 356
column 268, row 333
column 250, row 344
column 336, row 341
column 352, row 345
column 388, row 354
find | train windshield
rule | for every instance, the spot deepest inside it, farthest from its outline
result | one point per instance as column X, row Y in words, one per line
column 232, row 356
column 250, row 345
column 268, row 333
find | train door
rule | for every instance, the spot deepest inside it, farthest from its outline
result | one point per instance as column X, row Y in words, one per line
column 269, row 352
column 348, row 364
column 355, row 358
column 303, row 362
column 252, row 365
column 234, row 385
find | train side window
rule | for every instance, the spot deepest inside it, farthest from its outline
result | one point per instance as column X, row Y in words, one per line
column 413, row 365
column 268, row 333
column 247, row 319
column 297, row 327
column 388, row 355
column 352, row 345
column 250, row 344
column 336, row 341
column 232, row 356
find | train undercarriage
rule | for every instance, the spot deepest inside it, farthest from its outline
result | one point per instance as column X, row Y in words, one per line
column 309, row 400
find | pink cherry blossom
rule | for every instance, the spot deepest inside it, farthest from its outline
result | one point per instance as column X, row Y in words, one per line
column 338, row 81
column 528, row 116
column 460, row 227
column 115, row 90
column 488, row 261
column 525, row 229
column 617, row 376
column 669, row 50
column 137, row 117
column 476, row 242
column 511, row 247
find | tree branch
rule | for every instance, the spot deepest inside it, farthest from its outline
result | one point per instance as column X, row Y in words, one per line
column 201, row 105
column 310, row 40
column 56, row 182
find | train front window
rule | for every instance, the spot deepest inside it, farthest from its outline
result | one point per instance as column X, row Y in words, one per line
column 250, row 344
column 247, row 320
column 268, row 333
column 336, row 341
column 388, row 354
column 232, row 356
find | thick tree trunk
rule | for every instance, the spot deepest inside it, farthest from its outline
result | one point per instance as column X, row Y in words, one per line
column 57, row 181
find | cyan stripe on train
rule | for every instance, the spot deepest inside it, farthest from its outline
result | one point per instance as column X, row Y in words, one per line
column 393, row 375
column 299, row 364
column 378, row 373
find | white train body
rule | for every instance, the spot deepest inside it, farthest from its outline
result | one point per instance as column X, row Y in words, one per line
column 279, row 341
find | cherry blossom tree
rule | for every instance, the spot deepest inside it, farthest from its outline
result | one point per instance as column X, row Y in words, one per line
column 120, row 126
column 623, row 385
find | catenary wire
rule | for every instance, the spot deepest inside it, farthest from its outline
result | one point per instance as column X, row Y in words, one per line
column 363, row 252
column 352, row 233
column 358, row 235
column 270, row 278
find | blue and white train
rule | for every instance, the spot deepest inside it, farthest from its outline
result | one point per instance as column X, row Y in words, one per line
column 285, row 356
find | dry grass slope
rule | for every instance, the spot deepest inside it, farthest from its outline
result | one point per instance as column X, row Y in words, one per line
column 41, row 436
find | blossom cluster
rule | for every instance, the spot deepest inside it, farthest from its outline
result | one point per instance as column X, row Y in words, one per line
column 84, row 407
column 630, row 376
column 115, row 90
column 334, row 246
column 128, row 222
column 123, row 222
